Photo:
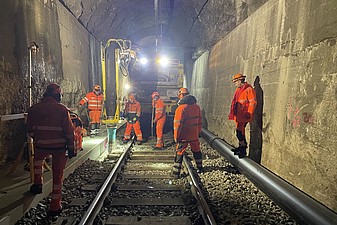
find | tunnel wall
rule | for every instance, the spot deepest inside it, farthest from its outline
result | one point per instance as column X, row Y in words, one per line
column 67, row 54
column 288, row 51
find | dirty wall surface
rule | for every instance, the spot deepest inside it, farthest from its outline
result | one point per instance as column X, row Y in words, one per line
column 24, row 22
column 288, row 51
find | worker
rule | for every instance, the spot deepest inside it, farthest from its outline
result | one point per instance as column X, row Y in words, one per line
column 242, row 111
column 95, row 106
column 187, row 127
column 50, row 126
column 159, row 119
column 132, row 113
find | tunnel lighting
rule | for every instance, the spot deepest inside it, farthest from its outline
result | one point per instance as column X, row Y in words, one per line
column 163, row 61
column 143, row 61
column 127, row 86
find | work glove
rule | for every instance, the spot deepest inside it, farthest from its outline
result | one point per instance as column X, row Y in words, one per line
column 71, row 153
column 134, row 119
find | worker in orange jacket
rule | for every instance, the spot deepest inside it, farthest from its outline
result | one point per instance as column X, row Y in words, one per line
column 242, row 111
column 95, row 106
column 159, row 119
column 187, row 127
column 50, row 126
column 132, row 113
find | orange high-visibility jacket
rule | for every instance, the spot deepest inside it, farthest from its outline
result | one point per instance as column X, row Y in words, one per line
column 50, row 126
column 243, row 104
column 133, row 108
column 95, row 102
column 160, row 109
column 187, row 120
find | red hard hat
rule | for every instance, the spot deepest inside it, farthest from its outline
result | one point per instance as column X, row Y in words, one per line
column 155, row 94
column 132, row 96
column 238, row 76
column 53, row 89
column 97, row 88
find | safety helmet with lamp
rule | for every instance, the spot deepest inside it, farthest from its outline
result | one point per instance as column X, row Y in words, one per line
column 238, row 76
column 182, row 92
column 97, row 88
column 154, row 94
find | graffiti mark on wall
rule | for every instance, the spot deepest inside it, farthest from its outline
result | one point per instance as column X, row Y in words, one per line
column 308, row 118
column 295, row 117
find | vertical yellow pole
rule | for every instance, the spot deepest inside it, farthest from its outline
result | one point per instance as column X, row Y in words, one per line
column 116, row 119
column 103, row 76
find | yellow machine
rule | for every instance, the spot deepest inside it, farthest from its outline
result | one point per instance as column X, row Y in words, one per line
column 123, row 55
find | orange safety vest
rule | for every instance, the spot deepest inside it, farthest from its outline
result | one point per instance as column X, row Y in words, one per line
column 187, row 120
column 243, row 103
column 160, row 109
column 95, row 102
column 133, row 108
column 50, row 126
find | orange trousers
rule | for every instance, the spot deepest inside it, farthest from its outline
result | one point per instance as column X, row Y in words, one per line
column 59, row 160
column 95, row 116
column 136, row 127
column 180, row 149
column 159, row 132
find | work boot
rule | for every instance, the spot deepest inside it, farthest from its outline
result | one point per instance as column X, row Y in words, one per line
column 242, row 152
column 236, row 150
column 54, row 213
column 158, row 148
column 125, row 141
column 36, row 189
column 139, row 142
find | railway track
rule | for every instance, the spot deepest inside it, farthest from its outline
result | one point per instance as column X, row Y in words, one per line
column 143, row 192
column 133, row 186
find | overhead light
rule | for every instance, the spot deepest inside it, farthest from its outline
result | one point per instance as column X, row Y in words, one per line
column 143, row 61
column 164, row 61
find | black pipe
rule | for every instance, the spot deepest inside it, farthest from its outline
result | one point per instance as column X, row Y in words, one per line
column 300, row 206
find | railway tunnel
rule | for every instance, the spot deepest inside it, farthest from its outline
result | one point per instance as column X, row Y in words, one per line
column 287, row 50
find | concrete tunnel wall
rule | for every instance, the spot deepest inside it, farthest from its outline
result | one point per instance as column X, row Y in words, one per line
column 288, row 51
column 286, row 48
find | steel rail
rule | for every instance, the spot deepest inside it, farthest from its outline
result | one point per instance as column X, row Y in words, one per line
column 300, row 206
column 197, row 193
column 97, row 203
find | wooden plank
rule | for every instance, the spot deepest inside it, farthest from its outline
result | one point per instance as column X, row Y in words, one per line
column 152, row 157
column 166, row 166
column 149, row 187
column 146, row 220
column 78, row 201
column 150, row 176
column 148, row 201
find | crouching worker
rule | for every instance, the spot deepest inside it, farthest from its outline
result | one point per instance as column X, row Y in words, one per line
column 50, row 126
column 132, row 114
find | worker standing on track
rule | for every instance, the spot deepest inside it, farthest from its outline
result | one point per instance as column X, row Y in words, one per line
column 187, row 127
column 95, row 106
column 242, row 111
column 50, row 126
column 132, row 114
column 159, row 119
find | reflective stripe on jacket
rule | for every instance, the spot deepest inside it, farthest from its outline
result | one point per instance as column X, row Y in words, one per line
column 187, row 121
column 160, row 109
column 133, row 108
column 50, row 126
column 95, row 102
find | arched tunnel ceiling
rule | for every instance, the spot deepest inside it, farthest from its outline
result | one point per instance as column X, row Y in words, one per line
column 192, row 24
